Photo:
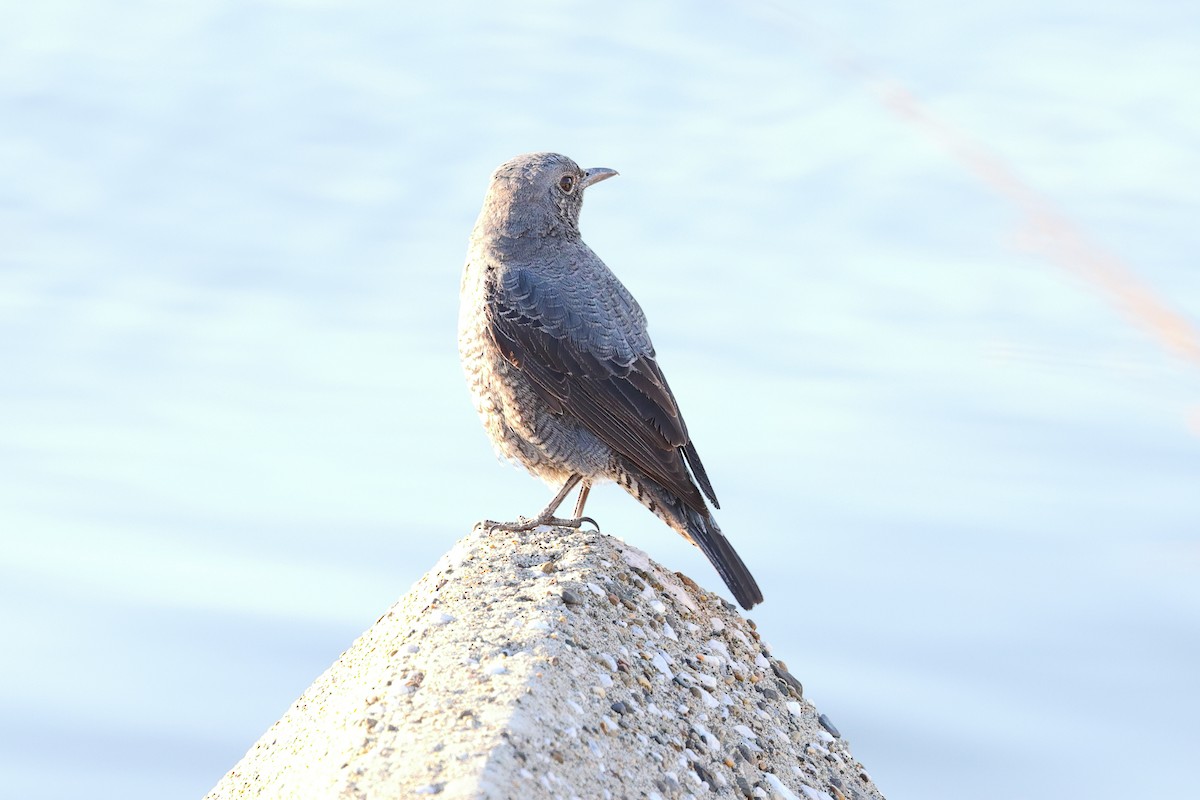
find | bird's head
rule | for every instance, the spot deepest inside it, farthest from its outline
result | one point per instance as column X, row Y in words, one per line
column 538, row 194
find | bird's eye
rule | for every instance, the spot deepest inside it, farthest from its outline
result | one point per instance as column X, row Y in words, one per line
column 566, row 183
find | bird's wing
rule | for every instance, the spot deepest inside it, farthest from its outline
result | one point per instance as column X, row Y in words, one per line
column 593, row 360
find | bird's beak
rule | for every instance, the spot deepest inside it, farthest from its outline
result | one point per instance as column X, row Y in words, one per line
column 595, row 175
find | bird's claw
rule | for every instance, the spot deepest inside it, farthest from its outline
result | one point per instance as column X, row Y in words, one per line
column 569, row 523
column 527, row 524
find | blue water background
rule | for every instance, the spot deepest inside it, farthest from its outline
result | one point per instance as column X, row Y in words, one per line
column 960, row 449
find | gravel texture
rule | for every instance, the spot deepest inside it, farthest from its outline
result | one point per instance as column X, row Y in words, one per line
column 553, row 664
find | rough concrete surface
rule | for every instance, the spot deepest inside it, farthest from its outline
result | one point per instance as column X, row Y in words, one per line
column 552, row 664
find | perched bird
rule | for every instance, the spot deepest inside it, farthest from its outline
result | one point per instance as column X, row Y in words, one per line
column 561, row 368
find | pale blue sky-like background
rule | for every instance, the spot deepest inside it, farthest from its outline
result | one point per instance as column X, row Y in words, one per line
column 886, row 251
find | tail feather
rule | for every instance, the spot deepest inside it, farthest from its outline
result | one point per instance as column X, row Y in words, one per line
column 700, row 529
column 705, row 534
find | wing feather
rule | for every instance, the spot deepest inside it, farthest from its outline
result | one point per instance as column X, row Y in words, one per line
column 626, row 403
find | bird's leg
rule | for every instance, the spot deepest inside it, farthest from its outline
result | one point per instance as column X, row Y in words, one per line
column 583, row 495
column 546, row 517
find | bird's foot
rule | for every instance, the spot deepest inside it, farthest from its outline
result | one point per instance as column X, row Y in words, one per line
column 527, row 524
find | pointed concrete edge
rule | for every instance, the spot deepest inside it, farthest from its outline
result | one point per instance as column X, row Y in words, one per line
column 554, row 663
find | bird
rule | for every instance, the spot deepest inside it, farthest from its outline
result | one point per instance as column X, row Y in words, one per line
column 561, row 369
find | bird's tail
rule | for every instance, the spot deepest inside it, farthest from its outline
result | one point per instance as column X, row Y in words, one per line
column 700, row 529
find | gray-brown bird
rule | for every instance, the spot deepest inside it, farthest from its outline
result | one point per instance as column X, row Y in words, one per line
column 562, row 370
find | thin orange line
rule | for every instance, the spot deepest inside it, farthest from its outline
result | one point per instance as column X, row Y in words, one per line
column 1053, row 234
